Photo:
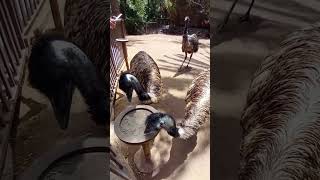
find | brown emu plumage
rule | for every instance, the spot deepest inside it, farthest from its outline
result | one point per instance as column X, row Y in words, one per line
column 87, row 25
column 197, row 110
column 281, row 120
column 145, row 69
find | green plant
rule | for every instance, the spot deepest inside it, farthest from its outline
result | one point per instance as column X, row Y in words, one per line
column 138, row 12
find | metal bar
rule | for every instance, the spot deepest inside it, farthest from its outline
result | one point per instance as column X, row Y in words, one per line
column 4, row 100
column 33, row 5
column 56, row 14
column 23, row 12
column 5, row 83
column 26, row 5
column 13, row 32
column 30, row 7
column 18, row 10
column 6, row 47
column 19, row 22
column 5, row 25
column 14, row 14
column 5, row 58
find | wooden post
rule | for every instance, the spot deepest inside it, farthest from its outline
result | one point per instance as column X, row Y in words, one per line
column 56, row 14
column 125, row 52
column 147, row 150
column 123, row 28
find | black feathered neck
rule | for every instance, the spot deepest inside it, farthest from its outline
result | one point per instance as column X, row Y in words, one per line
column 127, row 81
column 56, row 62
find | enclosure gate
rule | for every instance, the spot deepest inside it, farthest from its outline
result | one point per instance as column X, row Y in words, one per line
column 15, row 15
column 118, row 56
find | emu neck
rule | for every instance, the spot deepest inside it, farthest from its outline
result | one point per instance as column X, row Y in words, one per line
column 138, row 88
column 185, row 28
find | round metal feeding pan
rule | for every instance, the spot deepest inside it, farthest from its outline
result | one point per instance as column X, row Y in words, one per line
column 130, row 124
column 86, row 158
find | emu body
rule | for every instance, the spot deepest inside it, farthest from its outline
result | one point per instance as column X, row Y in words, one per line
column 190, row 43
column 56, row 68
column 281, row 120
column 197, row 110
column 143, row 77
column 86, row 23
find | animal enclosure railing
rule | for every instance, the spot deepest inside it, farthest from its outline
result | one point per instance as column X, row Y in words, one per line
column 14, row 18
column 155, row 27
column 118, row 54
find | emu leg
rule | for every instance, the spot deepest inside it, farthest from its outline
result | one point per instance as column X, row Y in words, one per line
column 184, row 59
column 226, row 19
column 246, row 17
column 189, row 59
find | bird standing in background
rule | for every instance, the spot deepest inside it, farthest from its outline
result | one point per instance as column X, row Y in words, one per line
column 190, row 43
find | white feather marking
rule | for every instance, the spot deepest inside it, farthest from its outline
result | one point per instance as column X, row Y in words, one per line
column 181, row 131
column 153, row 98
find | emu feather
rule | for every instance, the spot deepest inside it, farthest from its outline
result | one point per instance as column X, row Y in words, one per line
column 144, row 77
column 281, row 120
column 197, row 110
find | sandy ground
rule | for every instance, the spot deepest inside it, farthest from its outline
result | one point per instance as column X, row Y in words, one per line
column 237, row 53
column 190, row 159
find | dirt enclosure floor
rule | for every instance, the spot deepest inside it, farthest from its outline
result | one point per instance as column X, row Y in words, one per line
column 190, row 159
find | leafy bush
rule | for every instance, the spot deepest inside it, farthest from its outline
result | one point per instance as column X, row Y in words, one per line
column 140, row 11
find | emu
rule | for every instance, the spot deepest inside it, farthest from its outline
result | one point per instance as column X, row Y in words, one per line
column 56, row 68
column 190, row 43
column 197, row 110
column 281, row 119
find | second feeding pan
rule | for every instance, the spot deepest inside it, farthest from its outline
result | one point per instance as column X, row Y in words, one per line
column 130, row 124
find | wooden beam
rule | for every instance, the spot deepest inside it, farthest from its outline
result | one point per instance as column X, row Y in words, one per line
column 56, row 14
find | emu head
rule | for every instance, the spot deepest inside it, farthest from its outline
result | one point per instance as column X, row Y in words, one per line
column 156, row 121
column 125, row 84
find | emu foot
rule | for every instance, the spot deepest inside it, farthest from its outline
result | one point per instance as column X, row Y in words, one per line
column 221, row 27
column 245, row 18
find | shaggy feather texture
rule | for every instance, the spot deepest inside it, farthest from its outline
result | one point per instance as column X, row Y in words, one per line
column 197, row 110
column 87, row 25
column 145, row 69
column 190, row 43
column 281, row 120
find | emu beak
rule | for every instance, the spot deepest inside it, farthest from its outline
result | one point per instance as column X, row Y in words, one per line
column 129, row 96
column 61, row 104
column 177, row 133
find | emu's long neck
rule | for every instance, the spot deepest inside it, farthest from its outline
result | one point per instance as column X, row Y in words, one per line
column 91, row 85
column 142, row 94
column 196, row 115
column 185, row 32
